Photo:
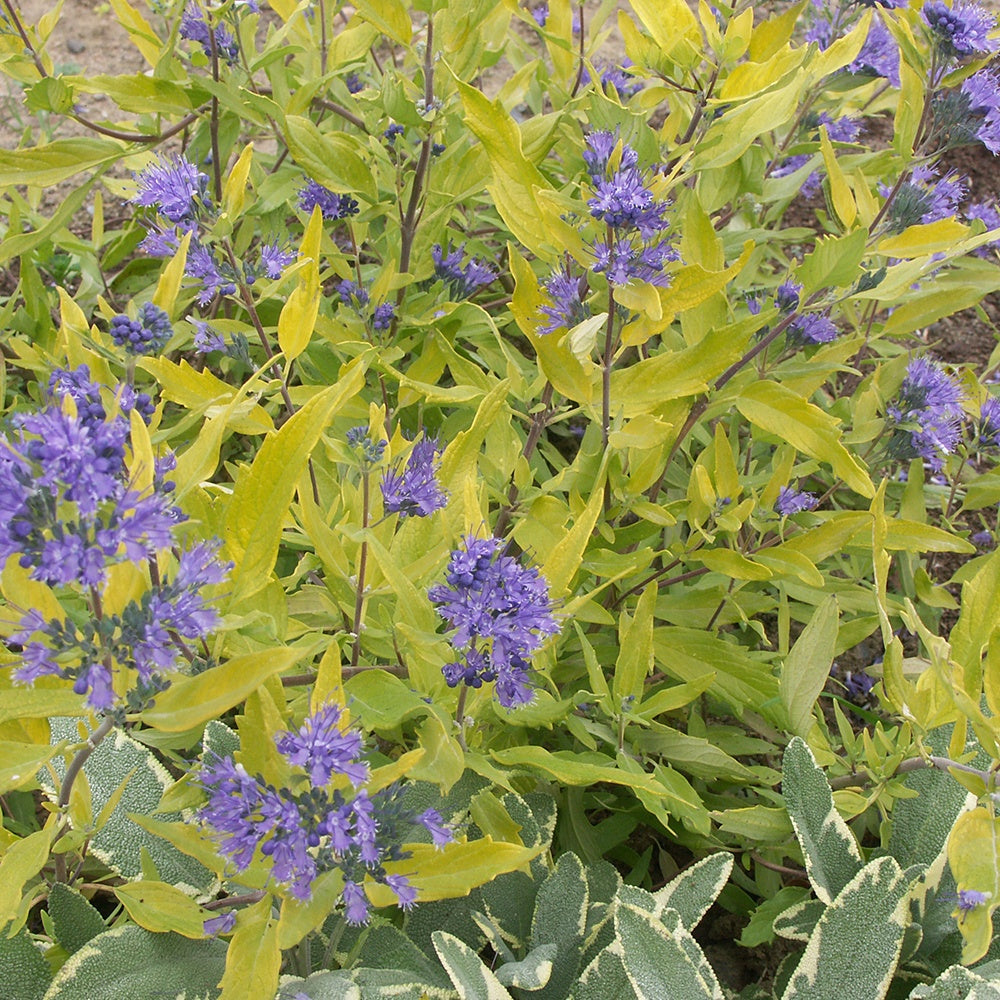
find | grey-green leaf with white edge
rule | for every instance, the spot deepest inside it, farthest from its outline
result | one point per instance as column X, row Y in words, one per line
column 605, row 977
column 656, row 963
column 695, row 889
column 853, row 952
column 831, row 853
column 128, row 961
column 958, row 983
column 119, row 760
column 532, row 972
column 560, row 919
column 336, row 985
column 472, row 979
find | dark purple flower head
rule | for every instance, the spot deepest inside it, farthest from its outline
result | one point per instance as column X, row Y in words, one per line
column 332, row 205
column 971, row 899
column 977, row 114
column 324, row 748
column 415, row 491
column 989, row 423
column 502, row 613
column 194, row 28
column 206, row 339
column 879, row 55
column 811, row 328
column 353, row 295
column 371, row 451
column 215, row 277
column 792, row 501
column 858, row 685
column 541, row 14
column 147, row 334
column 924, row 198
column 928, row 412
column 274, row 259
column 69, row 512
column 222, row 924
column 961, row 30
column 629, row 258
column 988, row 214
column 460, row 278
column 305, row 827
column 786, row 298
column 174, row 188
column 600, row 147
column 568, row 307
column 383, row 315
column 392, row 132
column 354, row 83
column 615, row 79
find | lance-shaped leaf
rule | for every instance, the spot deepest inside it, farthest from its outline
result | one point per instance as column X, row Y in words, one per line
column 472, row 979
column 830, row 850
column 855, row 947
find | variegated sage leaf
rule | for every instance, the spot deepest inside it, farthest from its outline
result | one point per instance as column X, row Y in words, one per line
column 472, row 979
column 828, row 846
column 128, row 961
column 853, row 952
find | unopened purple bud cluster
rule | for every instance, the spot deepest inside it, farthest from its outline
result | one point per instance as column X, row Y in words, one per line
column 311, row 828
column 147, row 334
column 69, row 512
column 502, row 613
column 358, row 299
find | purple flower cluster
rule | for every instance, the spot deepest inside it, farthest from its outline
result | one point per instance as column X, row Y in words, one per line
column 924, row 198
column 927, row 414
column 838, row 130
column 988, row 435
column 568, row 307
column 358, row 299
column 194, row 28
column 791, row 501
column 331, row 204
column 502, row 612
column 626, row 200
column 961, row 30
column 415, row 491
column 175, row 188
column 147, row 334
column 617, row 79
column 461, row 279
column 68, row 512
column 879, row 55
column 981, row 100
column 307, row 828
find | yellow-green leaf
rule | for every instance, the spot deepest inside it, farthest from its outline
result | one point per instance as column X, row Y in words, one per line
column 453, row 870
column 253, row 961
column 160, row 908
column 169, row 284
column 22, row 861
column 192, row 701
column 262, row 495
column 791, row 418
column 235, row 191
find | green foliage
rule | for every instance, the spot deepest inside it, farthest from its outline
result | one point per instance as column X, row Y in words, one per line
column 641, row 452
